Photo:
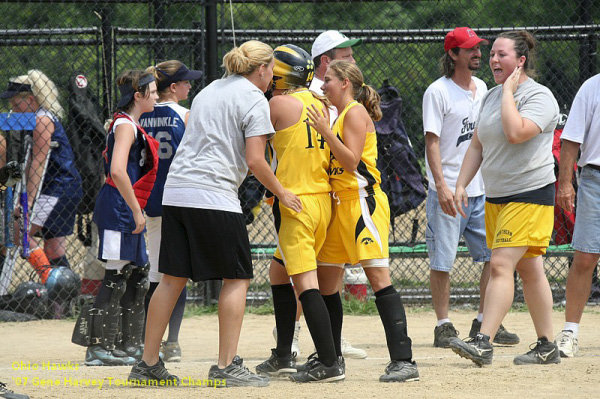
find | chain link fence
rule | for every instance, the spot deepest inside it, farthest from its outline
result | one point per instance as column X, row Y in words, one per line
column 82, row 45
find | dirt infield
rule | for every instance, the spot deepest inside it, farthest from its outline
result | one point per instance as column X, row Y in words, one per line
column 45, row 345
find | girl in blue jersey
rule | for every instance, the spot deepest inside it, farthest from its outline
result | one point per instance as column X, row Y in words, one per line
column 130, row 168
column 166, row 124
column 60, row 185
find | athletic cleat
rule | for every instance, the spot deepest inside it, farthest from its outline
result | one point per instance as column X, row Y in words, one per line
column 400, row 371
column 308, row 364
column 6, row 393
column 277, row 366
column 156, row 375
column 236, row 375
column 351, row 352
column 502, row 337
column 478, row 349
column 96, row 355
column 442, row 335
column 542, row 352
column 171, row 351
column 568, row 345
column 318, row 372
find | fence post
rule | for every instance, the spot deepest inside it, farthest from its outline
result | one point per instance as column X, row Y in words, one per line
column 212, row 64
column 160, row 10
column 588, row 49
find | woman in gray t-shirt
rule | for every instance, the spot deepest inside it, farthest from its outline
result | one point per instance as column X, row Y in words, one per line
column 204, row 235
column 513, row 145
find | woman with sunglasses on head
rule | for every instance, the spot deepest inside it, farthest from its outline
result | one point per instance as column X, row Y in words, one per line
column 166, row 123
column 204, row 234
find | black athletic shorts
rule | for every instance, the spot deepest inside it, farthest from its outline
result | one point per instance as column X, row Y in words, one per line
column 204, row 244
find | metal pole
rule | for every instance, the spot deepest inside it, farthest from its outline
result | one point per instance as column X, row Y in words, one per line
column 107, row 58
column 212, row 63
column 160, row 12
column 588, row 49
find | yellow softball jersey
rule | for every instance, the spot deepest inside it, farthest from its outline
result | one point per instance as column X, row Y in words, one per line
column 301, row 155
column 366, row 177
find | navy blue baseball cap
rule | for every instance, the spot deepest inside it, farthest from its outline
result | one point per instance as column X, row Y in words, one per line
column 127, row 91
column 183, row 73
column 14, row 88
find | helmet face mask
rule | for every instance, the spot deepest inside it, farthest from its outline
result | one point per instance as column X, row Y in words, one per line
column 293, row 68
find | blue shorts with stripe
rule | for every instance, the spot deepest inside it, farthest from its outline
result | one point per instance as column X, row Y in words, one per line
column 116, row 245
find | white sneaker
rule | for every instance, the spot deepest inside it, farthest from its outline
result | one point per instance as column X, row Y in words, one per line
column 568, row 345
column 351, row 352
column 295, row 347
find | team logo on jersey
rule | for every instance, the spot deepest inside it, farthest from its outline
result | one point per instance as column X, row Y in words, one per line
column 366, row 241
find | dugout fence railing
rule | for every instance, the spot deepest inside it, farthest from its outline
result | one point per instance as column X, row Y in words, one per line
column 402, row 42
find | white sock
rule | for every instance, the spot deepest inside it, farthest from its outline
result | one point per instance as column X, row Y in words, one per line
column 442, row 321
column 480, row 317
column 573, row 327
column 297, row 325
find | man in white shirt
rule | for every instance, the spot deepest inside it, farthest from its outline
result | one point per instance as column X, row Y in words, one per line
column 450, row 111
column 582, row 131
column 328, row 46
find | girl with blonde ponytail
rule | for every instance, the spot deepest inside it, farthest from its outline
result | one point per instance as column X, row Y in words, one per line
column 54, row 213
column 359, row 228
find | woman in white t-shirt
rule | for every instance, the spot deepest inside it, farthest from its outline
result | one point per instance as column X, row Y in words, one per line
column 204, row 235
column 513, row 146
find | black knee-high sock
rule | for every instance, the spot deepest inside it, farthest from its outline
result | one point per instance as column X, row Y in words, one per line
column 336, row 317
column 317, row 319
column 284, row 304
column 149, row 295
column 393, row 317
column 177, row 317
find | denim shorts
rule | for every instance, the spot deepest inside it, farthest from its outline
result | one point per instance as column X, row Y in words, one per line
column 443, row 232
column 586, row 235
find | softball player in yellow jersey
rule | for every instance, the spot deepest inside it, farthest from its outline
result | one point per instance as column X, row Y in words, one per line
column 301, row 159
column 359, row 228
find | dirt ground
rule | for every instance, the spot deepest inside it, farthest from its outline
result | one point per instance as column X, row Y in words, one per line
column 46, row 345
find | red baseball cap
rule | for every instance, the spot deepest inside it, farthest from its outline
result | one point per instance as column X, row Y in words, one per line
column 463, row 37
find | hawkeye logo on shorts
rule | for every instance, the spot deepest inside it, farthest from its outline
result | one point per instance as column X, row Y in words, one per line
column 504, row 236
column 366, row 241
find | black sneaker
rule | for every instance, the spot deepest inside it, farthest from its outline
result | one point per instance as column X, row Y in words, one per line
column 308, row 364
column 400, row 371
column 277, row 366
column 157, row 375
column 502, row 337
column 443, row 334
column 478, row 349
column 542, row 352
column 236, row 375
column 6, row 393
column 318, row 372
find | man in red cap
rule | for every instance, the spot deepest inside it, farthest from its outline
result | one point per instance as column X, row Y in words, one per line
column 450, row 111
